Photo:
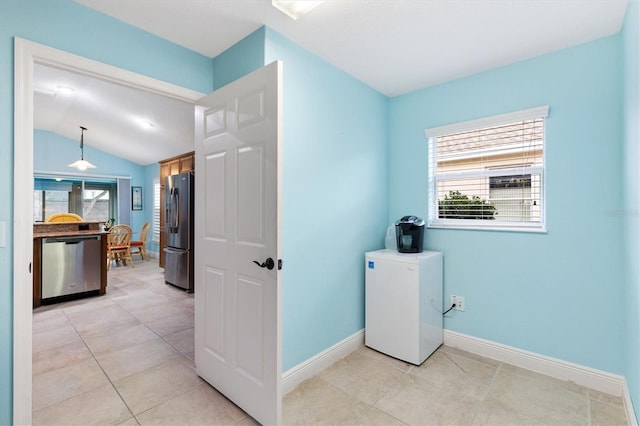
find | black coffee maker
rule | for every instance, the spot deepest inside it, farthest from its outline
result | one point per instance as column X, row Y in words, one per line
column 409, row 234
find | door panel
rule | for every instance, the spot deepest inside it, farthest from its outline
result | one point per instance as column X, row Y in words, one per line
column 250, row 190
column 250, row 341
column 215, row 121
column 174, row 167
column 238, row 325
column 250, row 109
column 214, row 319
column 215, row 195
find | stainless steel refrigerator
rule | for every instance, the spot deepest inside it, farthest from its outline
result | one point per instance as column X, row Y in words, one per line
column 178, row 267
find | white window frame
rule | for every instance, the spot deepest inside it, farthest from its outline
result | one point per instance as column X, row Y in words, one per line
column 495, row 225
column 155, row 228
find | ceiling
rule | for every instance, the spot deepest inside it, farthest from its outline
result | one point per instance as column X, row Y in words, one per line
column 394, row 46
column 116, row 117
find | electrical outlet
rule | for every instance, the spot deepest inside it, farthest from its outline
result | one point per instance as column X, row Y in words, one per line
column 459, row 302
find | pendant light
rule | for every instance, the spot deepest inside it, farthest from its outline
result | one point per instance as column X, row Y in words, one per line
column 82, row 164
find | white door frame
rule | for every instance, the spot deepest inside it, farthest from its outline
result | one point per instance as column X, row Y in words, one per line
column 26, row 54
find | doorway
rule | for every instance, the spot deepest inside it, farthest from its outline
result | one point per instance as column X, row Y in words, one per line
column 26, row 55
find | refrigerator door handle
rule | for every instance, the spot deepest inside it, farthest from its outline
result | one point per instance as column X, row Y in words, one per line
column 168, row 210
column 176, row 211
column 172, row 211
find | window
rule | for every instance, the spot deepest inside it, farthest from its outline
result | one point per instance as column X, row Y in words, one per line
column 155, row 236
column 49, row 201
column 488, row 173
column 94, row 201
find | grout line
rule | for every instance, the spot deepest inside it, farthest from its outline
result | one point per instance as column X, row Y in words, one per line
column 372, row 406
column 96, row 361
column 486, row 393
column 93, row 355
column 172, row 347
column 589, row 421
column 104, row 372
column 493, row 379
column 175, row 396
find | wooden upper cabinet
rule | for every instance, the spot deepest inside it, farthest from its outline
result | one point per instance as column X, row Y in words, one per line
column 171, row 166
column 186, row 163
column 174, row 167
column 165, row 170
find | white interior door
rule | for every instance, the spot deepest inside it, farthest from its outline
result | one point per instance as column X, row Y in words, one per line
column 237, row 219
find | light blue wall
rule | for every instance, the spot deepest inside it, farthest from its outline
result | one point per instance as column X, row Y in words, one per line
column 53, row 153
column 558, row 294
column 69, row 26
column 334, row 197
column 243, row 57
column 631, row 52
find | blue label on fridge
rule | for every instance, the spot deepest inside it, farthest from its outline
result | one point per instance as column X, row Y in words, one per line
column 371, row 264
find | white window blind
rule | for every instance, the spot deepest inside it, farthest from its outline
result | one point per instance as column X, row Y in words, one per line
column 155, row 237
column 488, row 173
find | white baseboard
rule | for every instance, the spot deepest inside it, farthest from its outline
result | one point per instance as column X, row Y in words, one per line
column 628, row 405
column 602, row 381
column 316, row 364
column 563, row 370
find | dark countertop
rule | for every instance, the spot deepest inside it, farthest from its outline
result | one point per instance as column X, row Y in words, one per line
column 52, row 234
column 67, row 229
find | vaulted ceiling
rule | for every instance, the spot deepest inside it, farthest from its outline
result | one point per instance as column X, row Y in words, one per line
column 394, row 46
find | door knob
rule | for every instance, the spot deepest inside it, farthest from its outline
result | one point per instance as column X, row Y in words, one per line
column 269, row 263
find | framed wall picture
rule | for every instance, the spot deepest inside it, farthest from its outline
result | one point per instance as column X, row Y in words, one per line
column 136, row 198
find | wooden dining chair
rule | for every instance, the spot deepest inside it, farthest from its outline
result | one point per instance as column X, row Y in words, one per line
column 119, row 245
column 63, row 217
column 140, row 246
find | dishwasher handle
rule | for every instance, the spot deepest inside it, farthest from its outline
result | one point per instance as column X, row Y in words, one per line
column 70, row 240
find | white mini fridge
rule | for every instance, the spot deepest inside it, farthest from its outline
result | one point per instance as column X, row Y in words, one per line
column 403, row 307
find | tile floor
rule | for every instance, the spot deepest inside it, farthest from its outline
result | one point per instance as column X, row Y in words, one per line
column 127, row 358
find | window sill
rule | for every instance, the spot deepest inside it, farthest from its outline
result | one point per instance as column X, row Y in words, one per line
column 499, row 228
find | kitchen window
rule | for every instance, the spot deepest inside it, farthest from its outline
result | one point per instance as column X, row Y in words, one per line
column 488, row 173
column 93, row 201
column 96, row 202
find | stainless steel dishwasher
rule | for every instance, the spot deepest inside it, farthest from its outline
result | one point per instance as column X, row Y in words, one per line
column 70, row 265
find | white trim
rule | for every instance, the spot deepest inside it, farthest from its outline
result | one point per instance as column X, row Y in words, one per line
column 602, row 381
column 481, row 123
column 493, row 226
column 22, row 232
column 45, row 174
column 46, row 55
column 316, row 364
column 26, row 53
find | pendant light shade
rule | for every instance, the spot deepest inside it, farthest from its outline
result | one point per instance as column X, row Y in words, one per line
column 82, row 164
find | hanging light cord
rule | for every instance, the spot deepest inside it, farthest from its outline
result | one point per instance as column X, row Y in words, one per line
column 82, row 142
